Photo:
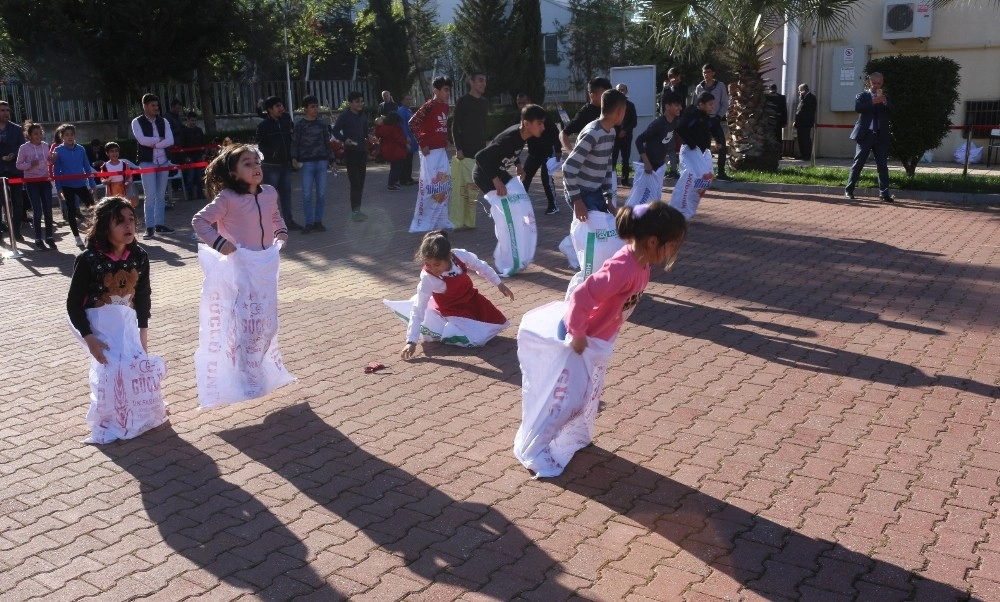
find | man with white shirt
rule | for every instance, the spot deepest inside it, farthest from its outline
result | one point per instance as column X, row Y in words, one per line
column 153, row 134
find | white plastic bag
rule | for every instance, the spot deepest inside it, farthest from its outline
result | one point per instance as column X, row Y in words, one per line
column 646, row 187
column 431, row 211
column 696, row 177
column 594, row 242
column 560, row 391
column 125, row 399
column 453, row 330
column 238, row 356
column 975, row 153
column 514, row 225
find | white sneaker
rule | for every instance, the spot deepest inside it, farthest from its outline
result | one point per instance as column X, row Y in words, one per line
column 79, row 242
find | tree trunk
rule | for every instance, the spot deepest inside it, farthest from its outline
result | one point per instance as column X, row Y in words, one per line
column 752, row 144
column 418, row 61
column 205, row 98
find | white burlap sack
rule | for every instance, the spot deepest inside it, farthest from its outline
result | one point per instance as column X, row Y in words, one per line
column 125, row 399
column 696, row 177
column 514, row 225
column 560, row 391
column 431, row 211
column 238, row 356
column 646, row 187
column 594, row 242
column 463, row 332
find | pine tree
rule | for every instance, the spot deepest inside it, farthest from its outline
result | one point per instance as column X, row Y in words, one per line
column 481, row 27
column 382, row 41
column 527, row 63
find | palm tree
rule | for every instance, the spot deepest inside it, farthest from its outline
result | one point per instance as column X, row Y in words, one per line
column 737, row 33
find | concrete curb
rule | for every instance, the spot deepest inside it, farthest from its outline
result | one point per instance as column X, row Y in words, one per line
column 909, row 195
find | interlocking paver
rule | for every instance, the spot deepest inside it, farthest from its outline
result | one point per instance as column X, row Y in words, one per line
column 801, row 410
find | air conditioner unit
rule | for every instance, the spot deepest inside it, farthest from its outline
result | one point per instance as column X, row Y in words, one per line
column 903, row 20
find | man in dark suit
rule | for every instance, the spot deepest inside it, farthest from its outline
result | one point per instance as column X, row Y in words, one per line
column 871, row 133
column 804, row 121
column 778, row 107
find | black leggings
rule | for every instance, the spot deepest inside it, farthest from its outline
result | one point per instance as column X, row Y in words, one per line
column 531, row 165
column 73, row 208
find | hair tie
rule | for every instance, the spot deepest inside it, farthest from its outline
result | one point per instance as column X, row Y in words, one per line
column 640, row 210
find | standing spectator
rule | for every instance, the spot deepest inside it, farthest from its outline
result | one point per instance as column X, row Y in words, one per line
column 673, row 89
column 804, row 121
column 192, row 138
column 352, row 129
column 588, row 112
column 540, row 150
column 623, row 138
column 406, row 168
column 274, row 139
column 388, row 105
column 70, row 159
column 394, row 145
column 469, row 131
column 311, row 154
column 718, row 91
column 33, row 160
column 96, row 154
column 778, row 105
column 11, row 139
column 153, row 134
column 871, row 133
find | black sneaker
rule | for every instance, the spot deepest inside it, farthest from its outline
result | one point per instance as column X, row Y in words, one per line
column 319, row 227
column 51, row 242
column 552, row 210
column 150, row 233
column 292, row 225
column 888, row 198
column 307, row 229
column 164, row 229
column 40, row 246
column 849, row 195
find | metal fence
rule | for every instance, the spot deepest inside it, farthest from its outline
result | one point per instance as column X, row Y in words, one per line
column 43, row 104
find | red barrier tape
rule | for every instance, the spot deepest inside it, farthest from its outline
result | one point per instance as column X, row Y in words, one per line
column 108, row 174
column 953, row 127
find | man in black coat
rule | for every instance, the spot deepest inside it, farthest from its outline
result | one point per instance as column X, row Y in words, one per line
column 778, row 109
column 805, row 121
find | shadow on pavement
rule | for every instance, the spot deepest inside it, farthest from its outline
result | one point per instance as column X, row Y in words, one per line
column 215, row 524
column 770, row 560
column 438, row 538
column 721, row 327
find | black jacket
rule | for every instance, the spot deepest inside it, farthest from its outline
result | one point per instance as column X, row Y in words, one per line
column 274, row 139
column 693, row 128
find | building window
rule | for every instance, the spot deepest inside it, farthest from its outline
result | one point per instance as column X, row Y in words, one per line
column 551, row 45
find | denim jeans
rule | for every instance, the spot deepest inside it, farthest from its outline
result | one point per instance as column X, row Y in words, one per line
column 313, row 179
column 40, row 194
column 592, row 199
column 154, row 188
column 278, row 176
column 194, row 181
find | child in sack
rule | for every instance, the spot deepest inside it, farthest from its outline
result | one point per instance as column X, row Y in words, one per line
column 108, row 304
column 560, row 397
column 694, row 129
column 445, row 286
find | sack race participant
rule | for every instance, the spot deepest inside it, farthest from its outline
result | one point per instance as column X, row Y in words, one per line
column 429, row 125
column 447, row 307
column 510, row 205
column 515, row 228
column 564, row 349
column 464, row 201
column 238, row 356
column 694, row 129
column 594, row 242
column 433, row 193
column 696, row 177
column 646, row 187
column 108, row 307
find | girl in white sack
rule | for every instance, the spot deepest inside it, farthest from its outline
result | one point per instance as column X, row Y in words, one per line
column 445, row 287
column 560, row 399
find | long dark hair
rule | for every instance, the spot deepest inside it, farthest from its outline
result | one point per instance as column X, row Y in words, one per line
column 221, row 172
column 107, row 213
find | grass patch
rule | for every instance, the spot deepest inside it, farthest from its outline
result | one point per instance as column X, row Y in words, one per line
column 835, row 176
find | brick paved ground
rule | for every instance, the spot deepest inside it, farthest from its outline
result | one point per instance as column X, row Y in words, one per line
column 802, row 410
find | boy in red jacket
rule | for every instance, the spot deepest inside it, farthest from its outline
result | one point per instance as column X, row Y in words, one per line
column 393, row 143
column 429, row 123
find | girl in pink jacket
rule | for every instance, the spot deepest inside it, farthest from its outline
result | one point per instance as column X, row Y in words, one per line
column 244, row 213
